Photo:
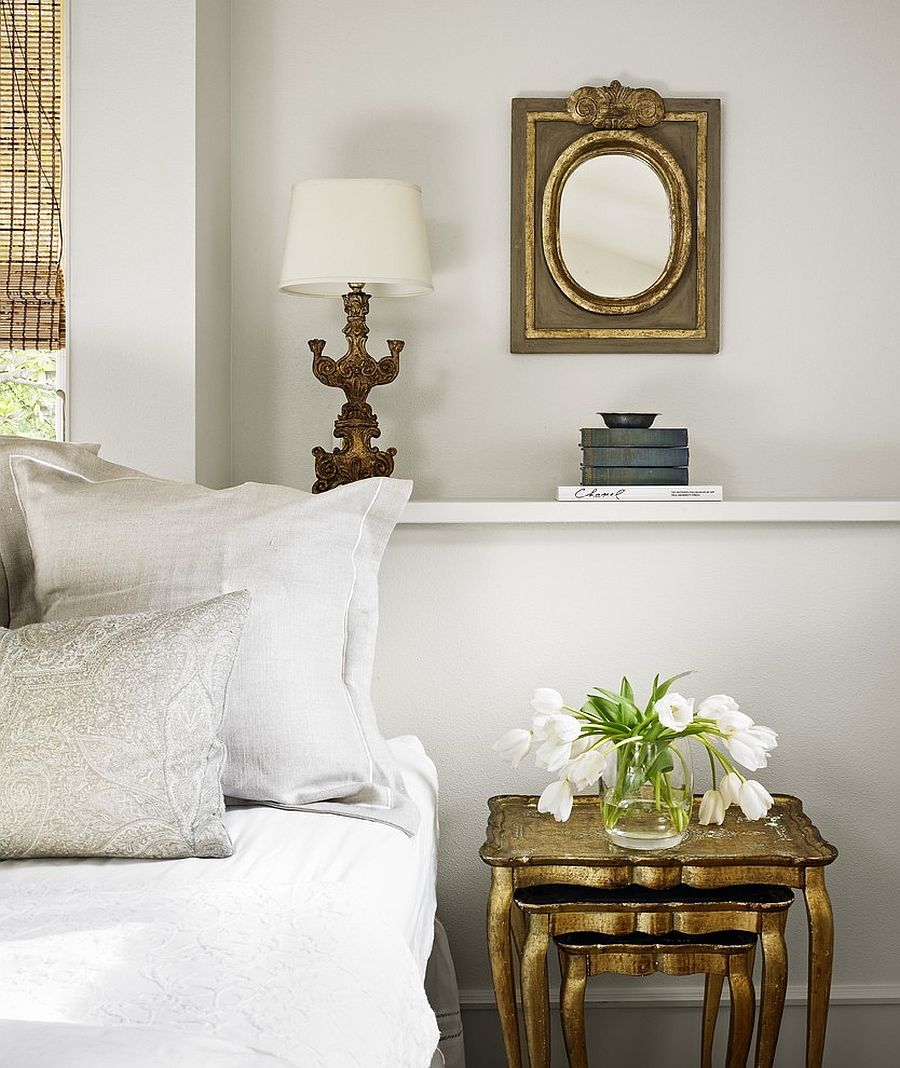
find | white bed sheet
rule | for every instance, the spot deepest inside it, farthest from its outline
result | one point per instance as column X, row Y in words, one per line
column 305, row 949
column 306, row 974
column 272, row 847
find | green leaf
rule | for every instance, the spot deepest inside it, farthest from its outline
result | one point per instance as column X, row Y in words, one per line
column 663, row 688
column 626, row 690
column 602, row 709
column 661, row 764
column 615, row 698
column 653, row 698
column 28, row 393
column 625, row 709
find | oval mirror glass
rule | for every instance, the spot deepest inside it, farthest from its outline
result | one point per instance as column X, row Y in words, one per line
column 615, row 228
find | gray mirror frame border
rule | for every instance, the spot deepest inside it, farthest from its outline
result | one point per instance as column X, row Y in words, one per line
column 591, row 332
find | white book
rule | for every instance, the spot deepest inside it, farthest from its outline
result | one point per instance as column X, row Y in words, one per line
column 639, row 493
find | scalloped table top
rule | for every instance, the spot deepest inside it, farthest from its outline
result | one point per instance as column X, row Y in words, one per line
column 518, row 834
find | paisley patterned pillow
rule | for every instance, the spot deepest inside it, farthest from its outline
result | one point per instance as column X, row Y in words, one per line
column 108, row 726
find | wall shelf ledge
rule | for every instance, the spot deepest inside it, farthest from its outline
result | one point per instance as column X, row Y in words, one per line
column 776, row 510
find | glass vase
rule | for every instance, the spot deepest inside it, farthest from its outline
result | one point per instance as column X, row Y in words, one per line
column 646, row 794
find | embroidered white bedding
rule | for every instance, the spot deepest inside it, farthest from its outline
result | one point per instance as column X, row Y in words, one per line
column 306, row 948
column 308, row 974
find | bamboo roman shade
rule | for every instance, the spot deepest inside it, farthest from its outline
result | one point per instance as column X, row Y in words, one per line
column 32, row 310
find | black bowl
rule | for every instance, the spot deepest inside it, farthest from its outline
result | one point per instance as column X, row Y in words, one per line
column 629, row 420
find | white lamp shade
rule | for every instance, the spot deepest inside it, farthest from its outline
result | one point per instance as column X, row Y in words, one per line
column 344, row 230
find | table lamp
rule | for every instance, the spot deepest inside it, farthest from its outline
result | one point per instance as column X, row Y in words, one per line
column 355, row 238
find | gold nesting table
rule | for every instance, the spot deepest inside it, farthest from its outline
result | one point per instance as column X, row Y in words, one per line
column 725, row 953
column 607, row 926
column 576, row 869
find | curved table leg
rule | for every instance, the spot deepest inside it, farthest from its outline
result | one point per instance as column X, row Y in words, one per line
column 500, row 952
column 773, row 987
column 821, row 954
column 517, row 926
column 535, row 993
column 740, row 1030
column 571, row 1007
column 712, row 995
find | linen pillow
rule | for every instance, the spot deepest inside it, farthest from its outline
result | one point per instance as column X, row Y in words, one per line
column 299, row 727
column 108, row 727
column 15, row 556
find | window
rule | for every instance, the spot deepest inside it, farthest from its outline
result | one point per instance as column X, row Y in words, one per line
column 32, row 304
column 28, row 393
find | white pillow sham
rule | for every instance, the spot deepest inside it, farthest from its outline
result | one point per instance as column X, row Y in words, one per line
column 299, row 726
column 14, row 553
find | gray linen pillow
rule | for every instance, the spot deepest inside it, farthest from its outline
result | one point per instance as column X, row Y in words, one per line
column 299, row 728
column 108, row 728
column 13, row 543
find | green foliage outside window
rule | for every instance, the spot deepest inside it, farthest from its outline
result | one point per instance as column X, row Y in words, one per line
column 28, row 394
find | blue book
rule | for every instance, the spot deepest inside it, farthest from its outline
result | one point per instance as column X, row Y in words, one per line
column 617, row 456
column 634, row 476
column 653, row 437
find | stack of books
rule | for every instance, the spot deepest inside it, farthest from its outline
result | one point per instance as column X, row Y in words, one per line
column 649, row 464
column 616, row 456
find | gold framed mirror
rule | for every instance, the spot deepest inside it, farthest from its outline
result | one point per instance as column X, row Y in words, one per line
column 615, row 228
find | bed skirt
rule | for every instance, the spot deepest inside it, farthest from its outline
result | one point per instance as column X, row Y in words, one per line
column 443, row 996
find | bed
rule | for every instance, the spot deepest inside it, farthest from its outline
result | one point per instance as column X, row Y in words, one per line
column 166, row 648
column 307, row 947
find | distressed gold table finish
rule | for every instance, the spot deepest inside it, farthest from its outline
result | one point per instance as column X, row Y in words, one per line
column 724, row 954
column 567, row 911
column 524, row 847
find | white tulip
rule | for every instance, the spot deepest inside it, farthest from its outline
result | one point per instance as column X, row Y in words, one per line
column 730, row 788
column 712, row 808
column 730, row 720
column 747, row 742
column 514, row 745
column 548, row 708
column 558, row 732
column 717, row 705
column 750, row 748
column 546, row 701
column 587, row 768
column 766, row 737
column 553, row 755
column 557, row 800
column 539, row 723
column 561, row 728
column 743, row 749
column 675, row 711
column 754, row 799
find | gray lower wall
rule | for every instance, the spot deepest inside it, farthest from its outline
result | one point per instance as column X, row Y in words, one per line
column 798, row 622
column 664, row 1031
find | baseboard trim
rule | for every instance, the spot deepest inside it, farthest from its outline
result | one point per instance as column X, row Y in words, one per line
column 862, row 1026
column 670, row 996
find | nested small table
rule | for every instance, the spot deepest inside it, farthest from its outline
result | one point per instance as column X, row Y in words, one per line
column 524, row 847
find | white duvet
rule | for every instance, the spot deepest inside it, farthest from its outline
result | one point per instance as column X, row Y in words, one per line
column 301, row 954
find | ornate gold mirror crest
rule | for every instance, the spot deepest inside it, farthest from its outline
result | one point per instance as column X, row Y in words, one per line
column 615, row 236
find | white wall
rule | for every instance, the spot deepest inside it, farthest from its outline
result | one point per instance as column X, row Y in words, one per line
column 213, row 243
column 148, row 225
column 800, row 623
column 802, row 397
column 131, row 231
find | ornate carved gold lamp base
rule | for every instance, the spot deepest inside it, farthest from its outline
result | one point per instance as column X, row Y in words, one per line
column 356, row 372
column 343, row 228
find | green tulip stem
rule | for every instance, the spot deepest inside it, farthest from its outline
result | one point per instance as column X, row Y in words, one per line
column 712, row 766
